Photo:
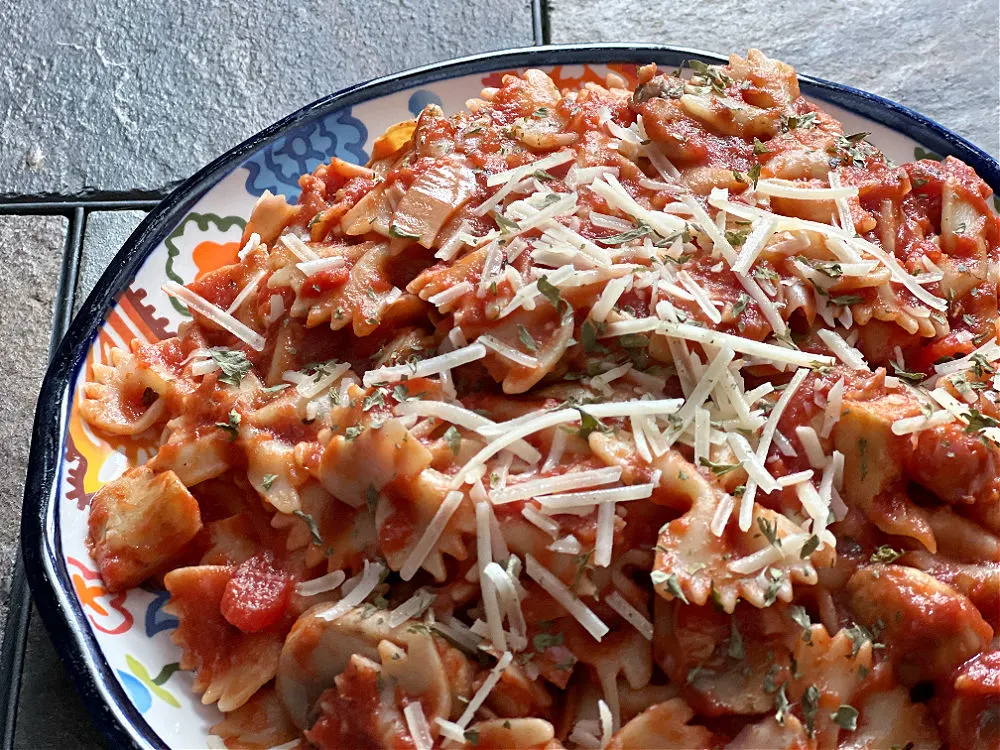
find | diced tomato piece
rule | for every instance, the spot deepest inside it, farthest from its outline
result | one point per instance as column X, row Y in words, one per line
column 945, row 348
column 257, row 595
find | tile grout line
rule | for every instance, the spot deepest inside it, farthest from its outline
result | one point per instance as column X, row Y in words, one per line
column 15, row 632
column 540, row 21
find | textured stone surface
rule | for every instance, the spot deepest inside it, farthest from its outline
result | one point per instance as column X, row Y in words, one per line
column 938, row 58
column 51, row 713
column 31, row 250
column 103, row 235
column 121, row 94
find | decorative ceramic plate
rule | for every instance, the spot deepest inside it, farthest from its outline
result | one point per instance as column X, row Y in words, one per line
column 118, row 647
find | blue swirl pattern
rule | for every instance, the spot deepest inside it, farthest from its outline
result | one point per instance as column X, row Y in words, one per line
column 277, row 167
column 420, row 99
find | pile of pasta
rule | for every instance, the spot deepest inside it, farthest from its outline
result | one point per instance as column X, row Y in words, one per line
column 602, row 417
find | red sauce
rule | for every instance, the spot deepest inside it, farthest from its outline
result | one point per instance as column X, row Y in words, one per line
column 397, row 529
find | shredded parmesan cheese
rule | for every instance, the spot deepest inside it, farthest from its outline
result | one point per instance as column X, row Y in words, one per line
column 507, row 352
column 425, row 367
column 789, row 189
column 485, row 689
column 321, row 585
column 370, row 577
column 630, row 614
column 451, row 294
column 573, row 480
column 416, row 722
column 221, row 318
column 844, row 351
column 415, row 606
column 431, row 534
column 561, row 593
column 596, row 497
column 604, row 540
column 544, row 523
column 759, row 349
column 245, row 293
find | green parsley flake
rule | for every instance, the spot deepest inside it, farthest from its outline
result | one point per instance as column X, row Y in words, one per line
column 771, row 595
column 544, row 641
column 860, row 635
column 453, row 439
column 641, row 230
column 633, row 340
column 810, row 705
column 589, row 424
column 885, row 554
column 807, row 120
column 735, row 649
column 979, row 422
column 737, row 237
column 232, row 426
column 907, row 375
column 863, row 456
column 267, row 480
column 375, row 398
column 719, row 469
column 526, row 338
column 801, row 618
column 233, row 363
column 276, row 388
column 673, row 585
column 589, row 333
column 811, row 545
column 782, row 709
column 770, row 531
column 551, row 293
column 741, row 304
column 507, row 226
column 313, row 527
column 846, row 717
column 400, row 234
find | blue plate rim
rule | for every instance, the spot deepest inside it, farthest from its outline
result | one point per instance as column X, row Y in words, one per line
column 103, row 695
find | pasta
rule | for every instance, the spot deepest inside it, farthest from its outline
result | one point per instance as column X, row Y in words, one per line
column 603, row 417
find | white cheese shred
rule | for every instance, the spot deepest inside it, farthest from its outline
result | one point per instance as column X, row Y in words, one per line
column 321, row 585
column 844, row 351
column 416, row 722
column 562, row 594
column 245, row 293
column 370, row 577
column 572, row 480
column 604, row 540
column 607, row 723
column 220, row 317
column 425, row 367
column 630, row 614
column 507, row 352
column 485, row 689
column 431, row 534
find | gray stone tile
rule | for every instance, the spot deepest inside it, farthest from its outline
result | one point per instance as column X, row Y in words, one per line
column 126, row 94
column 103, row 236
column 938, row 58
column 31, row 252
column 51, row 714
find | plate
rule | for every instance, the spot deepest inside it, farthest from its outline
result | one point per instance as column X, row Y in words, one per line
column 117, row 647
